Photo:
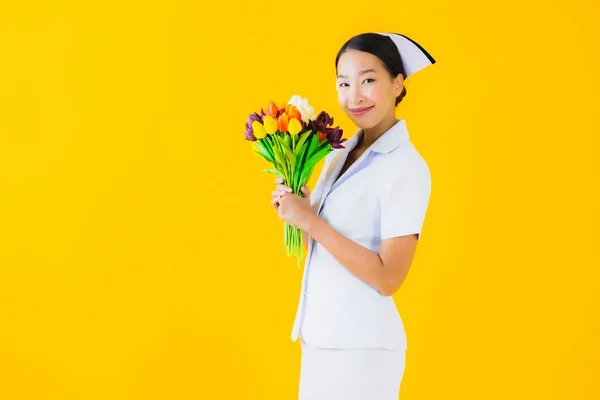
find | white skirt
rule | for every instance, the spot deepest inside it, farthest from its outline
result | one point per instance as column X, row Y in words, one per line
column 350, row 374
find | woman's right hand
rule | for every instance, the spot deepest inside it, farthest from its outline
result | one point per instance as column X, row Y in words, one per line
column 281, row 190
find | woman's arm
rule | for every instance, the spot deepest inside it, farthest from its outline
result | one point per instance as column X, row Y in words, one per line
column 403, row 208
column 305, row 239
column 384, row 271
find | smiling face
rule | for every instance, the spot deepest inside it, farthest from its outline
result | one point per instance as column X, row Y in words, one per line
column 366, row 91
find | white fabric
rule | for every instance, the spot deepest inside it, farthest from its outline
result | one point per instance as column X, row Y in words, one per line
column 414, row 58
column 357, row 374
column 383, row 194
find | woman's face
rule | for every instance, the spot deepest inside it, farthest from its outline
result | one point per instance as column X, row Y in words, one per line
column 365, row 89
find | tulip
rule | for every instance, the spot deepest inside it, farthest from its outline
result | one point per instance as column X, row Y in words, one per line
column 259, row 130
column 282, row 122
column 270, row 124
column 305, row 127
column 323, row 124
column 290, row 146
column 323, row 119
column 303, row 107
column 294, row 127
column 334, row 135
column 249, row 131
column 272, row 109
column 293, row 112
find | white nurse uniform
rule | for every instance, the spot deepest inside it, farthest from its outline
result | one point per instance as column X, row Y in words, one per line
column 353, row 338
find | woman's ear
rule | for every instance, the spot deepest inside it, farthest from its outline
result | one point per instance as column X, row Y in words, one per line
column 398, row 84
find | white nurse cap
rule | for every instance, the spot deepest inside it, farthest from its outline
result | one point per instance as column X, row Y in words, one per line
column 414, row 56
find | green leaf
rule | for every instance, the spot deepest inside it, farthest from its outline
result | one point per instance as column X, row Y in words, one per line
column 300, row 161
column 281, row 161
column 324, row 143
column 279, row 156
column 269, row 146
column 287, row 140
column 274, row 172
column 300, row 144
column 313, row 160
column 306, row 173
column 290, row 156
column 313, row 145
column 263, row 156
column 263, row 152
column 294, row 142
column 291, row 163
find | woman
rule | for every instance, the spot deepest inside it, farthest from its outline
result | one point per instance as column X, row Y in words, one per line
column 363, row 220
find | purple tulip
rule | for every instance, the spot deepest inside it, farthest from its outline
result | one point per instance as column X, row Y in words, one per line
column 322, row 123
column 305, row 127
column 335, row 137
column 249, row 133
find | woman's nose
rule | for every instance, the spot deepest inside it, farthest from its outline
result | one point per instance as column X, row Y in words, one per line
column 355, row 96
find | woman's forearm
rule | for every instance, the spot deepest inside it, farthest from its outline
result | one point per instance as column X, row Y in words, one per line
column 360, row 261
column 305, row 237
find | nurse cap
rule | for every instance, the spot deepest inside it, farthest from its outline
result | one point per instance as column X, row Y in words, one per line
column 414, row 57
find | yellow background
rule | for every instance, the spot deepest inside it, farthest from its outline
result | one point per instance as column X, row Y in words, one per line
column 139, row 255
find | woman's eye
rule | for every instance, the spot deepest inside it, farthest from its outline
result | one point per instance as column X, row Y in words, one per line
column 342, row 84
column 370, row 79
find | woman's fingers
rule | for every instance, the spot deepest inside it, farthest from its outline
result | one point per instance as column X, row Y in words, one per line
column 281, row 190
column 277, row 193
column 275, row 202
column 279, row 182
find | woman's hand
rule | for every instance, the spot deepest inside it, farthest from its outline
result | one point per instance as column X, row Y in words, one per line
column 292, row 209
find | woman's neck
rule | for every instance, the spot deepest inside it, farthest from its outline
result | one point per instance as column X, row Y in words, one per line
column 370, row 135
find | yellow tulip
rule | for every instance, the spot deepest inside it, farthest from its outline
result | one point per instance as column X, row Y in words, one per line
column 270, row 124
column 258, row 130
column 294, row 126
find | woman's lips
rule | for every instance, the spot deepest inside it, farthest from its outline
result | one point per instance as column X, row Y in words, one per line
column 360, row 111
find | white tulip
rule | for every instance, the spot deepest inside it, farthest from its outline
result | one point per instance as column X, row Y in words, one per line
column 302, row 105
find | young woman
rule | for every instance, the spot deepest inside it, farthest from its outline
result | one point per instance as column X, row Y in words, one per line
column 363, row 220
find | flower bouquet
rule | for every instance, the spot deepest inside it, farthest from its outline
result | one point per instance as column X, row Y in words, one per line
column 293, row 140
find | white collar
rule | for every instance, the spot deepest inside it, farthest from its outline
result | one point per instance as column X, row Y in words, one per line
column 387, row 142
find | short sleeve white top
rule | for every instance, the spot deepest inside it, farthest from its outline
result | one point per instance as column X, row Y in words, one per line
column 384, row 194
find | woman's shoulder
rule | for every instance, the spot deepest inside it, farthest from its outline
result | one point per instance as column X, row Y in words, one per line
column 405, row 164
column 407, row 156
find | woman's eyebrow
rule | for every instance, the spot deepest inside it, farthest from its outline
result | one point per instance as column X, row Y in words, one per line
column 364, row 71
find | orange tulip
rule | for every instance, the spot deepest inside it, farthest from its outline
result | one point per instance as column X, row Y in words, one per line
column 293, row 112
column 282, row 123
column 322, row 136
column 272, row 109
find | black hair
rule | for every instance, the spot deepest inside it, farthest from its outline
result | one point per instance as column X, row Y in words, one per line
column 382, row 47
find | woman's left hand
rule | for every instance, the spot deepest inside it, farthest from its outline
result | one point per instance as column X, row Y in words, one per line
column 295, row 210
